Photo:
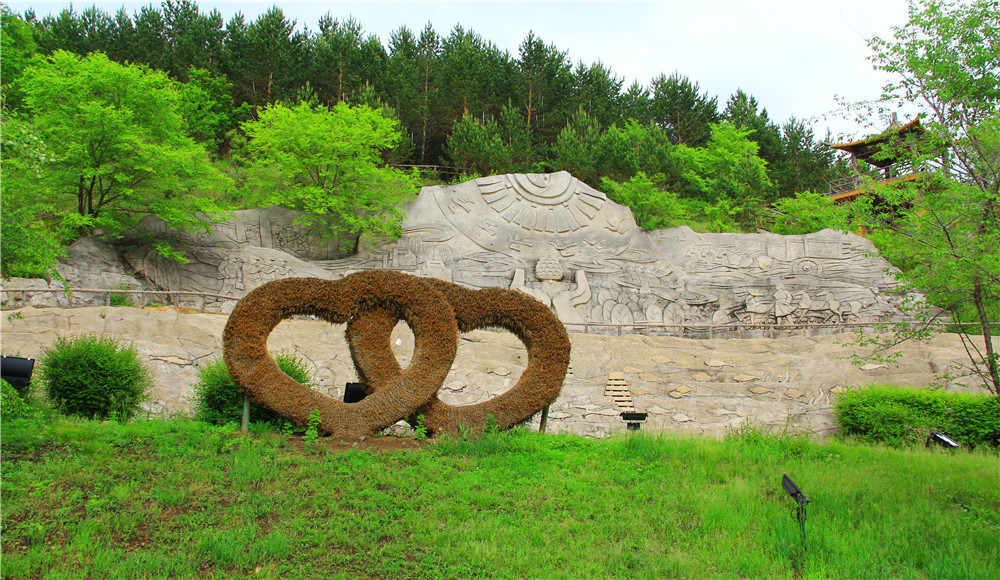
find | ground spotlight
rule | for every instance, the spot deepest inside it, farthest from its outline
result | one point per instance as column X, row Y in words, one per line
column 801, row 499
column 355, row 392
column 941, row 439
column 633, row 420
column 17, row 370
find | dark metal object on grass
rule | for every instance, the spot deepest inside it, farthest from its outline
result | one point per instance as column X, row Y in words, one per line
column 17, row 370
column 633, row 420
column 801, row 499
column 942, row 440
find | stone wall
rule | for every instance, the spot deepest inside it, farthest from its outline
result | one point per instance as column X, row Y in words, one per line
column 687, row 385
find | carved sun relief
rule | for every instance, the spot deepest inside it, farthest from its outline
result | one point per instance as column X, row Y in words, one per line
column 554, row 203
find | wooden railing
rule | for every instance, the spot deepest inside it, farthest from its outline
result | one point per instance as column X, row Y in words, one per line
column 736, row 330
column 172, row 295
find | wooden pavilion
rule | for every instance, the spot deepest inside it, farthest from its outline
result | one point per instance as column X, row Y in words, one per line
column 882, row 151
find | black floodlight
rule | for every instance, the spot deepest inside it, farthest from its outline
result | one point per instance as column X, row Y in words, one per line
column 942, row 440
column 17, row 370
column 633, row 419
column 355, row 392
column 793, row 490
column 801, row 499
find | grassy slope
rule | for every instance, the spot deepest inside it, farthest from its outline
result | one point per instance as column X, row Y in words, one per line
column 180, row 498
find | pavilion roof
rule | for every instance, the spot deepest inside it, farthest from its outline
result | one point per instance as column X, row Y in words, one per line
column 868, row 148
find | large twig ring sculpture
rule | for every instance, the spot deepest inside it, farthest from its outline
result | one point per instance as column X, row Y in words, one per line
column 337, row 301
column 535, row 325
column 372, row 303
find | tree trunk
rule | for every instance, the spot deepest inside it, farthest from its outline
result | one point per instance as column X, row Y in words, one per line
column 984, row 322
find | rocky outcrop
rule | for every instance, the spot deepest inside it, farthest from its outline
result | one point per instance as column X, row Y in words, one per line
column 698, row 386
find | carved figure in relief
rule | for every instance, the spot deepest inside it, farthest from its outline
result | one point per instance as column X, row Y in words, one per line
column 756, row 306
column 554, row 293
column 783, row 306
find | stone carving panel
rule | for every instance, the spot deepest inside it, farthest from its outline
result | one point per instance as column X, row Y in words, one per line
column 562, row 242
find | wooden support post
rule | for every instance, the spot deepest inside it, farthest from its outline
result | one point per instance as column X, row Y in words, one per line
column 544, row 420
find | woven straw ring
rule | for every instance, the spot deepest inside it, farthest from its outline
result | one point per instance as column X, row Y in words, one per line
column 542, row 333
column 430, row 317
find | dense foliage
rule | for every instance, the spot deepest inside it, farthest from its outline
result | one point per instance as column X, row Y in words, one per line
column 116, row 116
column 904, row 417
column 13, row 403
column 942, row 228
column 325, row 162
column 219, row 400
column 95, row 377
column 431, row 80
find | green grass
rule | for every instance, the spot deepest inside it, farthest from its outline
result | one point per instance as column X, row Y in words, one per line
column 184, row 499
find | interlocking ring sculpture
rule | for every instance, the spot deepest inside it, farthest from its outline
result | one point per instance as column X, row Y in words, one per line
column 371, row 303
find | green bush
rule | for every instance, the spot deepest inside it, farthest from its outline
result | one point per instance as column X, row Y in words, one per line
column 95, row 377
column 121, row 298
column 12, row 405
column 904, row 417
column 219, row 399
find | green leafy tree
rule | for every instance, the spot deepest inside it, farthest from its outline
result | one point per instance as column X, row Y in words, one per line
column 118, row 144
column 206, row 105
column 328, row 163
column 652, row 207
column 808, row 212
column 404, row 147
column 943, row 229
column 727, row 167
column 29, row 245
column 17, row 47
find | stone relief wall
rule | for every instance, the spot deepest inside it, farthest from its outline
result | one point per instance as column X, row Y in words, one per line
column 696, row 386
column 561, row 241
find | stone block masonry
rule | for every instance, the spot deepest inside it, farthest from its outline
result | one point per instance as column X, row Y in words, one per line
column 686, row 385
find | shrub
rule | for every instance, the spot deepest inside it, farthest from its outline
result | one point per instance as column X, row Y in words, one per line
column 121, row 298
column 219, row 399
column 903, row 417
column 95, row 377
column 12, row 405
